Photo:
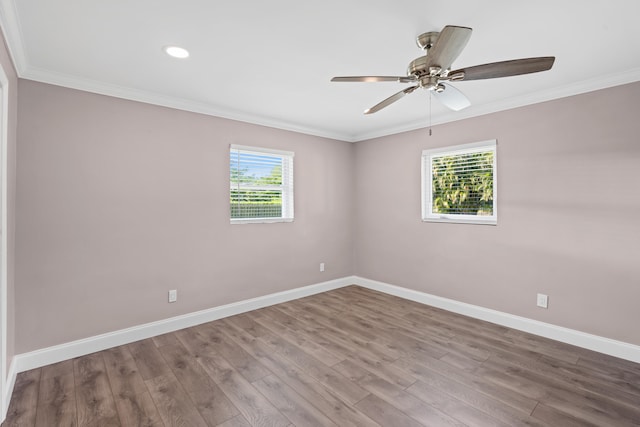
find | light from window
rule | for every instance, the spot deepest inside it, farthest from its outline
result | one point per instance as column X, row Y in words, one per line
column 261, row 185
column 459, row 184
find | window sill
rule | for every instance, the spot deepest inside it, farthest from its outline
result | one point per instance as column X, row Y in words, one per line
column 260, row 220
column 450, row 220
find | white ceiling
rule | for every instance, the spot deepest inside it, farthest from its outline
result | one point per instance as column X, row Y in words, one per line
column 270, row 62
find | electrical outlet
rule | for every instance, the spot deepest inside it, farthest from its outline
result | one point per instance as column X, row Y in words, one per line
column 173, row 295
column 322, row 266
column 543, row 300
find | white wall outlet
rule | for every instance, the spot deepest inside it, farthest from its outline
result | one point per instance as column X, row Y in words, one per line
column 173, row 295
column 543, row 300
column 322, row 266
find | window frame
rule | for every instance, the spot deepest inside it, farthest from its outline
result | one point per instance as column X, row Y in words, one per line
column 427, row 183
column 287, row 187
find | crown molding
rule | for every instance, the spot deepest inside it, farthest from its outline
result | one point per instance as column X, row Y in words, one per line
column 101, row 88
column 13, row 35
column 73, row 82
column 576, row 88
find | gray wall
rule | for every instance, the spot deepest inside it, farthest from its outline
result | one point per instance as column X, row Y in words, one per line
column 121, row 201
column 568, row 203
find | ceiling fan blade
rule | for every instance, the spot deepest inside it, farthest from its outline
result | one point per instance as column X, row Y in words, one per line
column 390, row 100
column 503, row 69
column 448, row 46
column 452, row 98
column 405, row 79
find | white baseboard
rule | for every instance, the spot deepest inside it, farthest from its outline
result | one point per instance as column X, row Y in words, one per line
column 8, row 389
column 58, row 353
column 597, row 343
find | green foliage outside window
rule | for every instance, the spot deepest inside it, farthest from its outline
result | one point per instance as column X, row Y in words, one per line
column 253, row 203
column 463, row 184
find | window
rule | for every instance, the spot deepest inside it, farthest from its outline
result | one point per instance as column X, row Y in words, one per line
column 459, row 184
column 261, row 185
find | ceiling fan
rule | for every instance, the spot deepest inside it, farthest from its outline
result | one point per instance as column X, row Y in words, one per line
column 433, row 70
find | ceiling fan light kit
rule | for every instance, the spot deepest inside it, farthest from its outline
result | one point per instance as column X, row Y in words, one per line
column 432, row 71
column 176, row 52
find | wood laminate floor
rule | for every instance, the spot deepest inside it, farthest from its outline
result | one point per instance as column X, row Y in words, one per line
column 349, row 357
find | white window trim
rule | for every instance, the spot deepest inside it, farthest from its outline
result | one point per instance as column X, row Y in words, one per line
column 427, row 189
column 287, row 191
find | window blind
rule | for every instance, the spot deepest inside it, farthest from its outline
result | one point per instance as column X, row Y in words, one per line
column 459, row 183
column 261, row 184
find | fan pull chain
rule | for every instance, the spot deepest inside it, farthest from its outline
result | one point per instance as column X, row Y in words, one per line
column 429, row 113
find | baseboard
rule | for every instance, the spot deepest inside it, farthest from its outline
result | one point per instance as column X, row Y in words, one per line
column 8, row 390
column 597, row 343
column 58, row 353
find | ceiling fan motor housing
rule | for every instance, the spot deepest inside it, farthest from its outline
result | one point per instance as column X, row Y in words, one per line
column 426, row 40
column 422, row 68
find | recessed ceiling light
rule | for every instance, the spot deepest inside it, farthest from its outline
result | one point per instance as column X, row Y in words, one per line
column 176, row 52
